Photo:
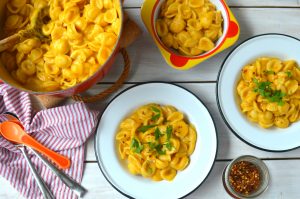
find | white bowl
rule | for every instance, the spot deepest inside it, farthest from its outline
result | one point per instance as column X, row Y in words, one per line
column 201, row 161
column 270, row 45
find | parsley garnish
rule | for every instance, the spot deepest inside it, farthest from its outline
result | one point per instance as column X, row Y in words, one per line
column 154, row 109
column 159, row 147
column 157, row 134
column 143, row 129
column 157, row 115
column 169, row 146
column 159, row 150
column 151, row 145
column 150, row 170
column 277, row 97
column 289, row 74
column 169, row 132
column 269, row 72
column 136, row 146
column 265, row 90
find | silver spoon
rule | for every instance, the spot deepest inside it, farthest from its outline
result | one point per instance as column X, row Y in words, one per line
column 73, row 185
column 41, row 184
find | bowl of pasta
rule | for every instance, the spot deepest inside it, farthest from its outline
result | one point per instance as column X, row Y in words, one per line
column 258, row 92
column 189, row 32
column 70, row 49
column 148, row 145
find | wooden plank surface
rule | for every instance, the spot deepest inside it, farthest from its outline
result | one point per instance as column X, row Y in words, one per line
column 240, row 3
column 284, row 183
column 255, row 17
column 148, row 64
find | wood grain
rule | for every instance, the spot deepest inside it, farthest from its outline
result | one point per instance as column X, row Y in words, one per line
column 284, row 183
column 148, row 64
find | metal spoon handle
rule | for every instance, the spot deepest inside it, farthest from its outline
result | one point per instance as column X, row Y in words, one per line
column 72, row 184
column 44, row 189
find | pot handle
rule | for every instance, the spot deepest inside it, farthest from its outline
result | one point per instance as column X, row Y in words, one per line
column 114, row 87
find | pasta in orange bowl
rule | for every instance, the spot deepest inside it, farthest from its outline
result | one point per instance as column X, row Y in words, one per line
column 82, row 37
column 189, row 27
column 156, row 142
column 269, row 92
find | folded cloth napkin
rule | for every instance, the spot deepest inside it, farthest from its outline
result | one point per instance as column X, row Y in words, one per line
column 64, row 129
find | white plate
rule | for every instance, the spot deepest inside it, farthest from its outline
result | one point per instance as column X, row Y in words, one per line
column 272, row 45
column 121, row 106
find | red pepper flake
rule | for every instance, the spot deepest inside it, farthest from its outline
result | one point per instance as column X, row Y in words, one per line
column 244, row 177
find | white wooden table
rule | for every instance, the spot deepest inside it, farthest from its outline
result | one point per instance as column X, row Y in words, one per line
column 255, row 17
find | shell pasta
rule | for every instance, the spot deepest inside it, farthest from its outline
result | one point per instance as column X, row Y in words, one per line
column 82, row 35
column 188, row 26
column 156, row 142
column 269, row 92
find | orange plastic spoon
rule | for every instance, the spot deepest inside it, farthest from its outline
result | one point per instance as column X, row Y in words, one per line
column 14, row 133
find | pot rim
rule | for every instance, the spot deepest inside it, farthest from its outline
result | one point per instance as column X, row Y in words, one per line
column 72, row 90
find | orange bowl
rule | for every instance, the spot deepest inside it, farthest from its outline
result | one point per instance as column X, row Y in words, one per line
column 149, row 13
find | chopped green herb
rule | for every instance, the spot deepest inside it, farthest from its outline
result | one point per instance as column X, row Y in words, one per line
column 159, row 150
column 154, row 109
column 136, row 146
column 264, row 89
column 289, row 74
column 269, row 72
column 157, row 134
column 143, row 129
column 169, row 132
column 169, row 146
column 151, row 145
column 281, row 103
column 277, row 96
column 150, row 170
column 157, row 115
column 158, row 147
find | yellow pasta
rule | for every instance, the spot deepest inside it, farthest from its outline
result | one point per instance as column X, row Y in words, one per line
column 192, row 26
column 269, row 92
column 156, row 142
column 82, row 35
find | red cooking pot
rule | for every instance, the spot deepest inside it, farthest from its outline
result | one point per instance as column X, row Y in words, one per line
column 83, row 86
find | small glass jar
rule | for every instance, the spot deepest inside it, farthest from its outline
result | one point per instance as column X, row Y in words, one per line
column 257, row 166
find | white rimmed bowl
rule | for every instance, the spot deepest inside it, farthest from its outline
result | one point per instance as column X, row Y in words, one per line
column 269, row 45
column 201, row 161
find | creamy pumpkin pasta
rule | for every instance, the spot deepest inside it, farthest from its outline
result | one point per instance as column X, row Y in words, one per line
column 81, row 35
column 269, row 92
column 156, row 142
column 191, row 27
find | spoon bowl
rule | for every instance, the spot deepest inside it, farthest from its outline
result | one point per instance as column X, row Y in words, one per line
column 13, row 132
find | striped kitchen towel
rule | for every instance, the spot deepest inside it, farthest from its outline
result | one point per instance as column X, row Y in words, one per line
column 64, row 129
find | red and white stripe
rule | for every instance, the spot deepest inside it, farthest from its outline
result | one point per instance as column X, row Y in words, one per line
column 64, row 129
